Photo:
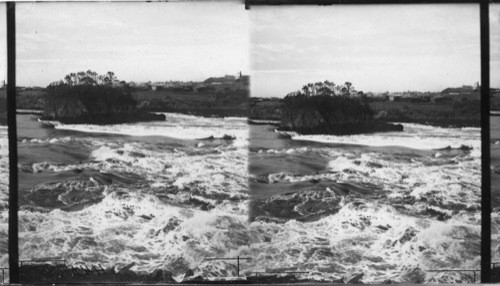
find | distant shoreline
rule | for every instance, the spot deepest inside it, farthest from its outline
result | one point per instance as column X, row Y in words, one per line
column 29, row 111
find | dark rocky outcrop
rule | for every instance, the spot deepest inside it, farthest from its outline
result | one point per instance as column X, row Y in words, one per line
column 47, row 273
column 415, row 276
column 354, row 278
column 331, row 114
column 272, row 279
column 89, row 104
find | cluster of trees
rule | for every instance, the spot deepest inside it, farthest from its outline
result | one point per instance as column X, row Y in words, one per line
column 326, row 87
column 333, row 108
column 90, row 78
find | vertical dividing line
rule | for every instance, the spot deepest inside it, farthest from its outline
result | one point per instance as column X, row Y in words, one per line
column 11, row 121
column 485, row 146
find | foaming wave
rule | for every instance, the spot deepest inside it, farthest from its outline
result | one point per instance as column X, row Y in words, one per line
column 133, row 227
column 371, row 238
column 178, row 126
column 4, row 195
column 425, row 215
column 414, row 136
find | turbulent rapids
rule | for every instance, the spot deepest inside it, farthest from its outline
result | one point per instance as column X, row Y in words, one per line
column 388, row 205
column 168, row 194
column 94, row 194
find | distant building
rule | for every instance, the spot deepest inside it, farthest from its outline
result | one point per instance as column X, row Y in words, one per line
column 227, row 82
column 465, row 89
column 227, row 79
column 394, row 97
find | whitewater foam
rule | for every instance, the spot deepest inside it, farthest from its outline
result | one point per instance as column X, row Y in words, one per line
column 414, row 136
column 178, row 126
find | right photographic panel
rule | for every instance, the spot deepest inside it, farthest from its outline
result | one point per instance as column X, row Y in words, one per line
column 494, row 13
column 365, row 142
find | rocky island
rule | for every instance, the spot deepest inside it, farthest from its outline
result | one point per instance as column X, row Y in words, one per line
column 325, row 108
column 89, row 98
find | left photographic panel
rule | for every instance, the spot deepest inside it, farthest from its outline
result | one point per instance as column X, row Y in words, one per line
column 4, row 150
column 132, row 141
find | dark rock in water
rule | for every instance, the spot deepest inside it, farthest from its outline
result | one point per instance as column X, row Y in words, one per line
column 387, row 281
column 441, row 216
column 338, row 281
column 172, row 223
column 462, row 147
column 110, row 270
column 270, row 219
column 147, row 217
column 421, row 248
column 126, row 268
column 26, row 168
column 354, row 278
column 384, row 228
column 408, row 235
column 127, row 276
column 160, row 275
column 228, row 137
column 88, row 104
column 374, row 165
column 211, row 137
column 465, row 148
column 188, row 273
column 415, row 275
column 137, row 154
column 204, row 206
column 59, row 273
column 337, row 115
column 45, row 197
column 196, row 279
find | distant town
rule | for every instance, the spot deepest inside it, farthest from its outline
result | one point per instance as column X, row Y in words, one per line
column 215, row 96
column 222, row 83
column 469, row 91
column 453, row 106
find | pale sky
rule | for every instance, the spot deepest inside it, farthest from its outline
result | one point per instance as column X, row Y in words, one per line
column 377, row 48
column 383, row 48
column 495, row 45
column 3, row 42
column 138, row 41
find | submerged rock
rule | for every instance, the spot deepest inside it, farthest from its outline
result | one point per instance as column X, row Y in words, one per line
column 173, row 222
column 354, row 278
column 126, row 268
column 408, row 235
column 189, row 273
column 160, row 275
column 415, row 275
